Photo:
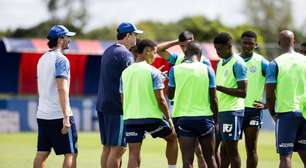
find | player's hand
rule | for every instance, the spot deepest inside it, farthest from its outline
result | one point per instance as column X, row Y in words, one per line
column 259, row 105
column 170, row 123
column 66, row 125
column 172, row 126
column 218, row 88
column 185, row 42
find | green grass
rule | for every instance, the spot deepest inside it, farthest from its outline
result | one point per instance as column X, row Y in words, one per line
column 18, row 150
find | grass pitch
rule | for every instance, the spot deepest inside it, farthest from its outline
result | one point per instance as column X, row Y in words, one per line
column 18, row 150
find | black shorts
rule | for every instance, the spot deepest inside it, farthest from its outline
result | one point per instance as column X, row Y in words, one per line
column 252, row 118
column 194, row 126
column 290, row 133
column 50, row 136
column 112, row 130
column 230, row 126
column 135, row 133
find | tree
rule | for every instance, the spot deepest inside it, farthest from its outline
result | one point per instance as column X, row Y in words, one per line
column 270, row 16
column 40, row 30
column 68, row 11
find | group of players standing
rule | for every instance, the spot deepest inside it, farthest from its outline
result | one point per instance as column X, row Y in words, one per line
column 210, row 109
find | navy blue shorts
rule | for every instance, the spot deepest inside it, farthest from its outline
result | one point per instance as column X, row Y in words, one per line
column 252, row 118
column 194, row 126
column 112, row 130
column 230, row 126
column 135, row 133
column 290, row 133
column 50, row 136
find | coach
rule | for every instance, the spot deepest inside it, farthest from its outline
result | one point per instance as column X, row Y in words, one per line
column 109, row 106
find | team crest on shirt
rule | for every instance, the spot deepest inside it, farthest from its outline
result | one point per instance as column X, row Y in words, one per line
column 225, row 73
column 253, row 69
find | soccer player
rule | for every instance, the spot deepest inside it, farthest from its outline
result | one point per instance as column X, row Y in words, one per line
column 257, row 66
column 285, row 85
column 192, row 84
column 56, row 125
column 175, row 59
column 144, row 105
column 231, row 77
column 109, row 106
column 303, row 48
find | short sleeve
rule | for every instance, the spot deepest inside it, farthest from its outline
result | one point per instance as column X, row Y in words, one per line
column 171, row 82
column 212, row 78
column 206, row 61
column 272, row 73
column 172, row 58
column 62, row 68
column 240, row 70
column 264, row 66
column 126, row 59
column 157, row 80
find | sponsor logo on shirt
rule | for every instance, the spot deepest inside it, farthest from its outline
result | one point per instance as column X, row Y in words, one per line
column 225, row 73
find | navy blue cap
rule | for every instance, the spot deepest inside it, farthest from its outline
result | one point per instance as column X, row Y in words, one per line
column 59, row 31
column 126, row 27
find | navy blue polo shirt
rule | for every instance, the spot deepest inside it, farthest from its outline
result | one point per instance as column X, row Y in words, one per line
column 114, row 60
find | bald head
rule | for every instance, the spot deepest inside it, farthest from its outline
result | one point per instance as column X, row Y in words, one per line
column 193, row 48
column 286, row 40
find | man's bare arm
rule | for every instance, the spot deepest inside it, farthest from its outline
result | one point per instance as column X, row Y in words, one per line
column 237, row 92
column 162, row 48
column 213, row 103
column 270, row 93
column 63, row 92
column 162, row 103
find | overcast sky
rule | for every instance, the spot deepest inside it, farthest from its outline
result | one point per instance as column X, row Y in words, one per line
column 26, row 13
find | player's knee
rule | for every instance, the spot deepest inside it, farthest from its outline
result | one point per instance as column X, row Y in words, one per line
column 106, row 149
column 117, row 151
column 251, row 146
column 252, row 154
column 41, row 156
column 38, row 160
column 71, row 156
column 133, row 151
column 286, row 159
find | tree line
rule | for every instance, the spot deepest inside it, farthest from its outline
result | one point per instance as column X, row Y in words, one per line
column 264, row 18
